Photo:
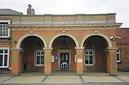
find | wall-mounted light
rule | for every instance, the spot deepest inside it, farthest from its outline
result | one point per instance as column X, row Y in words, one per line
column 31, row 32
column 95, row 31
column 63, row 31
column 118, row 37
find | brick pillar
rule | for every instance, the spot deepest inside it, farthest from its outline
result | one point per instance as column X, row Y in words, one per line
column 47, row 61
column 111, row 61
column 107, row 61
column 16, row 62
column 79, row 60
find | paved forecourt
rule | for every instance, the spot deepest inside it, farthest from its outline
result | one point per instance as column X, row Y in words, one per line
column 124, row 78
column 26, row 79
column 100, row 79
column 42, row 79
column 63, row 79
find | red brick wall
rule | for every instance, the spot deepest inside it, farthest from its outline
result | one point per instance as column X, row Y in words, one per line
column 123, row 45
column 48, row 34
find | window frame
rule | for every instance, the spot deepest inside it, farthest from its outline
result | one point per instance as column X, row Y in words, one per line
column 8, row 21
column 3, row 48
column 93, row 55
column 118, row 52
column 40, row 50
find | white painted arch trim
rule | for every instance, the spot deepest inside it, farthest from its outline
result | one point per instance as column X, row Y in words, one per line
column 98, row 34
column 58, row 35
column 28, row 35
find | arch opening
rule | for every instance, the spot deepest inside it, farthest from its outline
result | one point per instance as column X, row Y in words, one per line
column 59, row 35
column 32, row 55
column 64, row 54
column 95, row 57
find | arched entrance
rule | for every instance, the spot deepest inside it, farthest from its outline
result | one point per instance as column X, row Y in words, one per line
column 63, row 54
column 32, row 54
column 95, row 54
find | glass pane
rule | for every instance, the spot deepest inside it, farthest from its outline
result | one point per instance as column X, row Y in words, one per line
column 42, row 60
column 86, row 61
column 1, row 51
column 0, row 33
column 6, row 51
column 38, row 59
column 38, row 53
column 118, row 51
column 1, row 60
column 118, row 57
column 41, row 53
column 91, row 60
column 5, row 60
column 90, row 52
column 86, row 52
column 86, row 57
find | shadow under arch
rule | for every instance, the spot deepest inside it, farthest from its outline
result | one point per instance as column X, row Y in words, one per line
column 58, row 35
column 29, row 35
column 98, row 34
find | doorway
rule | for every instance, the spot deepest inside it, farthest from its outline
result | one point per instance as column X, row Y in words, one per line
column 64, row 61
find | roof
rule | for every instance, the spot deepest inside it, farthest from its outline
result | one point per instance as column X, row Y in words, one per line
column 9, row 12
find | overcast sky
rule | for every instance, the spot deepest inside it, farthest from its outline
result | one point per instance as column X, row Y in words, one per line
column 121, row 7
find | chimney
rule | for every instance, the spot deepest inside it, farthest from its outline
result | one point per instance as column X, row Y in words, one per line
column 33, row 12
column 30, row 11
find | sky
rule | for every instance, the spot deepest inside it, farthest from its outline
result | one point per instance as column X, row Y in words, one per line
column 120, row 7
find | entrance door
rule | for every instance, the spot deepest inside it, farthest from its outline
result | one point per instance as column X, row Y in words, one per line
column 64, row 61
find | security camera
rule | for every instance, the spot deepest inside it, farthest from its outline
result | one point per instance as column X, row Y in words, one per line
column 118, row 37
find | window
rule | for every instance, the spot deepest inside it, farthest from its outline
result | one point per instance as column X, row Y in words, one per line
column 118, row 55
column 4, row 57
column 4, row 29
column 89, row 57
column 39, row 57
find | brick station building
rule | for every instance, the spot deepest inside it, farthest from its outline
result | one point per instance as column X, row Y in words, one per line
column 50, row 43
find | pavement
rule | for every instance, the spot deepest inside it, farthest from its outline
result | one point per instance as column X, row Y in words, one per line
column 23, row 79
